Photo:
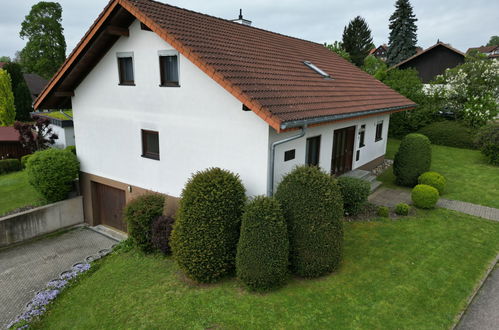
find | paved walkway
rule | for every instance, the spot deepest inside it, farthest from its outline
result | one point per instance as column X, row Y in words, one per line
column 27, row 268
column 483, row 313
column 392, row 197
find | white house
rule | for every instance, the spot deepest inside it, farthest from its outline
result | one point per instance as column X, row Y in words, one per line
column 159, row 92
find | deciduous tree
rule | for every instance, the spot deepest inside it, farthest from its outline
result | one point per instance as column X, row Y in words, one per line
column 357, row 40
column 337, row 47
column 494, row 40
column 7, row 108
column 36, row 136
column 403, row 33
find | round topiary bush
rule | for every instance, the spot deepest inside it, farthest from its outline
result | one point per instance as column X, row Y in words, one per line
column 161, row 231
column 402, row 209
column 354, row 192
column 383, row 211
column 206, row 231
column 24, row 161
column 52, row 172
column 139, row 215
column 424, row 196
column 263, row 248
column 434, row 179
column 313, row 209
column 412, row 159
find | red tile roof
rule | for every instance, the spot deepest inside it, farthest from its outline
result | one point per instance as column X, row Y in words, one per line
column 264, row 70
column 8, row 133
column 483, row 49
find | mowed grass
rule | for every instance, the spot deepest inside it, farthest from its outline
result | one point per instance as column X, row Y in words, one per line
column 469, row 177
column 413, row 273
column 16, row 192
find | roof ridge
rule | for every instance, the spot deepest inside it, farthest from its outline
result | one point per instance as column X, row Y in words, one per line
column 229, row 21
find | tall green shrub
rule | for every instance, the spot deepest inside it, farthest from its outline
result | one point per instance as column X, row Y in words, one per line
column 206, row 230
column 139, row 215
column 412, row 159
column 263, row 248
column 313, row 209
column 52, row 172
column 354, row 192
column 487, row 140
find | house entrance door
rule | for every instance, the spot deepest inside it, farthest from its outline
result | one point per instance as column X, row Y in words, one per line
column 343, row 142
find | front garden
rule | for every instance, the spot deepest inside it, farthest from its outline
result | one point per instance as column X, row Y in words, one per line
column 415, row 272
column 17, row 193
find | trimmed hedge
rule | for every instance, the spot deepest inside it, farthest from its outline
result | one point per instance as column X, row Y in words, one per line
column 383, row 211
column 450, row 133
column 354, row 192
column 161, row 231
column 206, row 231
column 434, row 179
column 263, row 248
column 24, row 160
column 52, row 172
column 72, row 149
column 9, row 165
column 139, row 215
column 313, row 209
column 402, row 209
column 487, row 141
column 412, row 159
column 424, row 196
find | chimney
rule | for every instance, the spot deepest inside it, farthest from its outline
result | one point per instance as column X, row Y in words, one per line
column 241, row 20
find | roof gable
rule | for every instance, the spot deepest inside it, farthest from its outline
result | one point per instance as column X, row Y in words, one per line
column 262, row 69
column 429, row 50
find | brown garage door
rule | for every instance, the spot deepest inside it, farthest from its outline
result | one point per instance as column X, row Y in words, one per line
column 108, row 206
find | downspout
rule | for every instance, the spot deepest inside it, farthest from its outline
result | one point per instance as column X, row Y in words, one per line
column 270, row 178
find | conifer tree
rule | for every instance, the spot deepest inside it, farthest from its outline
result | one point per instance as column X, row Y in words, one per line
column 403, row 33
column 357, row 40
column 22, row 95
column 7, row 108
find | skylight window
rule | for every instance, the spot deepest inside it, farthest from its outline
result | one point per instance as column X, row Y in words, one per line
column 316, row 69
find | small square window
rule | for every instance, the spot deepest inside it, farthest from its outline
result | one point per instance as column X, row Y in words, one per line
column 150, row 144
column 379, row 131
column 168, row 68
column 289, row 155
column 125, row 68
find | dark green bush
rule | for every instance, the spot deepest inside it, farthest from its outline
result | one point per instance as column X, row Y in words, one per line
column 354, row 192
column 383, row 211
column 139, row 215
column 24, row 160
column 313, row 209
column 9, row 165
column 402, row 209
column 206, row 231
column 161, row 231
column 52, row 172
column 449, row 133
column 487, row 141
column 424, row 196
column 263, row 248
column 412, row 159
column 72, row 149
column 434, row 179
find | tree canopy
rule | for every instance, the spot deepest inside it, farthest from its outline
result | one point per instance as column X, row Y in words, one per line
column 7, row 108
column 45, row 49
column 337, row 47
column 22, row 95
column 357, row 40
column 494, row 40
column 403, row 33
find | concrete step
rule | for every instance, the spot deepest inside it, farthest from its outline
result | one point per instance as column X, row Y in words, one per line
column 375, row 185
column 359, row 174
column 370, row 178
column 112, row 233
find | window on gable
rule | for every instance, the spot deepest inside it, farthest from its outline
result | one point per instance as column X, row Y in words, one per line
column 125, row 69
column 379, row 131
column 168, row 68
column 150, row 144
column 313, row 150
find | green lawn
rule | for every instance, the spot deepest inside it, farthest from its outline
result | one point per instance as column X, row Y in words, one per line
column 469, row 177
column 414, row 273
column 16, row 192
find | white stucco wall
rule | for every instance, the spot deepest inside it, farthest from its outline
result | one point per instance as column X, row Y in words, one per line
column 66, row 136
column 369, row 152
column 200, row 124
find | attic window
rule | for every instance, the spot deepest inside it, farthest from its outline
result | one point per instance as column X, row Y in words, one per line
column 316, row 69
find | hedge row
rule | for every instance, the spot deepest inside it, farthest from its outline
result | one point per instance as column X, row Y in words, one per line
column 9, row 165
column 450, row 133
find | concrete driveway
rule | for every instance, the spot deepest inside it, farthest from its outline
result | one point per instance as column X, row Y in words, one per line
column 26, row 269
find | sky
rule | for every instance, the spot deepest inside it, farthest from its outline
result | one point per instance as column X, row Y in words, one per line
column 462, row 23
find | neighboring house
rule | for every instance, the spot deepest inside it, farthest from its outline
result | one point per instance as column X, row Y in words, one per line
column 61, row 123
column 159, row 92
column 10, row 147
column 433, row 61
column 380, row 52
column 35, row 84
column 489, row 51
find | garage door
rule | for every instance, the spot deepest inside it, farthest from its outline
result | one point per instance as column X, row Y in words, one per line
column 108, row 206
